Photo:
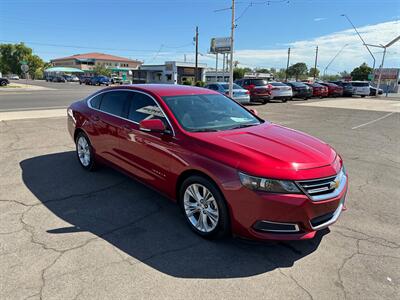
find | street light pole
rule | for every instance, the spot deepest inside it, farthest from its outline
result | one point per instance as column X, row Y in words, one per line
column 231, row 61
column 359, row 35
column 337, row 54
column 383, row 60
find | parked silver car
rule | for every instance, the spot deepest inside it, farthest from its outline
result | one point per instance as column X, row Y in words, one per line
column 281, row 91
column 239, row 94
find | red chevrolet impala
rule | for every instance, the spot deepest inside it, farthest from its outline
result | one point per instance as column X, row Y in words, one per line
column 228, row 169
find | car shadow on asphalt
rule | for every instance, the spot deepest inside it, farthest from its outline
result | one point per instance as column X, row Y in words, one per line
column 145, row 225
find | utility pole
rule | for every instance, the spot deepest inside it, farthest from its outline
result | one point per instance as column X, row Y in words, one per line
column 223, row 67
column 231, row 61
column 287, row 65
column 216, row 67
column 197, row 55
column 315, row 64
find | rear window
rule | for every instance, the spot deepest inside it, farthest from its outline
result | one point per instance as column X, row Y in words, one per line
column 278, row 84
column 297, row 84
column 235, row 86
column 360, row 84
column 259, row 82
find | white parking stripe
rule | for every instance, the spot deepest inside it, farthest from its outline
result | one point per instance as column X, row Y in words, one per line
column 32, row 114
column 373, row 121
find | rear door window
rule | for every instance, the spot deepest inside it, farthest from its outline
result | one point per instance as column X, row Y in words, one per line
column 95, row 101
column 114, row 102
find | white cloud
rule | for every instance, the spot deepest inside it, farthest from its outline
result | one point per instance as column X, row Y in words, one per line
column 319, row 19
column 353, row 55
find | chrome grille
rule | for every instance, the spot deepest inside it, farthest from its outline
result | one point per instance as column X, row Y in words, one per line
column 324, row 188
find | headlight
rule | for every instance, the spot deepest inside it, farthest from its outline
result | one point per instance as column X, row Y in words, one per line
column 269, row 185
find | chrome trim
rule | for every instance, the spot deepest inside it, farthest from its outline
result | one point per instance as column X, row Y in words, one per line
column 336, row 192
column 334, row 218
column 296, row 227
column 132, row 91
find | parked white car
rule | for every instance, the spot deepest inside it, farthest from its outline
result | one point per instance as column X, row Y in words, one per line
column 281, row 91
column 13, row 77
column 239, row 94
column 360, row 88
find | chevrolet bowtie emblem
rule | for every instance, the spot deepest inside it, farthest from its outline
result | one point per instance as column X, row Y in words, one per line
column 334, row 184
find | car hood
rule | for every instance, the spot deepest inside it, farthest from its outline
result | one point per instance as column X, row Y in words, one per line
column 267, row 150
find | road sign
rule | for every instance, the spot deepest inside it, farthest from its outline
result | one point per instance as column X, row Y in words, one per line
column 24, row 68
column 23, row 62
column 370, row 76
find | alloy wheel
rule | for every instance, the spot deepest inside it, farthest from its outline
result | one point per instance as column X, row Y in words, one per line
column 82, row 146
column 201, row 208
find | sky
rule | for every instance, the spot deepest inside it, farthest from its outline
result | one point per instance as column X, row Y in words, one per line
column 155, row 31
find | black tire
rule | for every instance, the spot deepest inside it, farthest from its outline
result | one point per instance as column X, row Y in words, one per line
column 362, row 96
column 3, row 83
column 284, row 100
column 91, row 166
column 265, row 101
column 222, row 228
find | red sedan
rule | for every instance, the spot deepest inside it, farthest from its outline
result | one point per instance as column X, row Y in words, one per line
column 229, row 170
column 319, row 90
column 334, row 90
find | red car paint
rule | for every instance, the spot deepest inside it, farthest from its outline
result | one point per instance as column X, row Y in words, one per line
column 334, row 90
column 266, row 150
column 319, row 90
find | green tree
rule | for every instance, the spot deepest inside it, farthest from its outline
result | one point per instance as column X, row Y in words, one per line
column 311, row 72
column 330, row 77
column 297, row 70
column 281, row 74
column 361, row 72
column 36, row 67
column 263, row 70
column 11, row 56
column 101, row 70
column 238, row 73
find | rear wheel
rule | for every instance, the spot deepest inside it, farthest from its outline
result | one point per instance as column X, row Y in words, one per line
column 204, row 207
column 84, row 152
column 284, row 100
column 362, row 96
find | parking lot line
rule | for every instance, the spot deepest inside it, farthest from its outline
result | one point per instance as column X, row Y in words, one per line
column 32, row 114
column 373, row 121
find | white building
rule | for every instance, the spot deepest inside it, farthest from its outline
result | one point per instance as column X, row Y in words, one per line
column 171, row 72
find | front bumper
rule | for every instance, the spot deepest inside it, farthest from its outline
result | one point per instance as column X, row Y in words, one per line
column 304, row 215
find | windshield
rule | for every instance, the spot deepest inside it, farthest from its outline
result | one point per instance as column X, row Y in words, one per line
column 235, row 86
column 209, row 112
column 297, row 84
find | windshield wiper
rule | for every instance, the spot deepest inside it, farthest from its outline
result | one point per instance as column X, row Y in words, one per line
column 204, row 130
column 242, row 126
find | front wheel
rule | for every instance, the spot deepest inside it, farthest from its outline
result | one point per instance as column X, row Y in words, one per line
column 204, row 207
column 284, row 100
column 362, row 96
column 84, row 152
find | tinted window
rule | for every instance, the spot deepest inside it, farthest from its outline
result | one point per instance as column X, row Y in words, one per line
column 143, row 107
column 209, row 112
column 297, row 84
column 113, row 102
column 213, row 87
column 95, row 102
column 235, row 86
column 259, row 82
column 360, row 83
column 278, row 84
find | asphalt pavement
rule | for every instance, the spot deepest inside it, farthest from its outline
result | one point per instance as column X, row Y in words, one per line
column 69, row 234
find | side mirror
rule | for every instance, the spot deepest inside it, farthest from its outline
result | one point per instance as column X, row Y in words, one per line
column 154, row 125
column 253, row 111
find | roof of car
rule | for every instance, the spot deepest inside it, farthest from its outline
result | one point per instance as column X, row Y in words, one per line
column 167, row 89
